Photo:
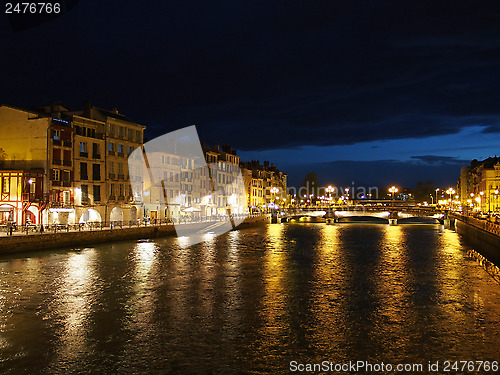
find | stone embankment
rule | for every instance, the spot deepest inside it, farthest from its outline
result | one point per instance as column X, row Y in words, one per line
column 43, row 241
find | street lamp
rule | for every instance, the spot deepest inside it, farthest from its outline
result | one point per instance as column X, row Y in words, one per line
column 274, row 191
column 393, row 190
column 437, row 195
column 329, row 191
column 495, row 208
column 450, row 192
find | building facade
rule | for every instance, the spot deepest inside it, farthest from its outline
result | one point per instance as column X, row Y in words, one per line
column 479, row 185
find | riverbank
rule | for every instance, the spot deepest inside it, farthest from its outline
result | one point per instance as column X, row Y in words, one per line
column 484, row 236
column 45, row 241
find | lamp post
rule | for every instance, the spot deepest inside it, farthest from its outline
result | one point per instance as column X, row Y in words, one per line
column 450, row 192
column 437, row 195
column 274, row 191
column 495, row 208
column 393, row 190
column 329, row 191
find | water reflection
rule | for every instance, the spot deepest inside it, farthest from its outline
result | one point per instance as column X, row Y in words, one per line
column 72, row 305
column 250, row 300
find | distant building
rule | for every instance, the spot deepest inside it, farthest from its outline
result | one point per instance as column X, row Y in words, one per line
column 479, row 185
column 266, row 186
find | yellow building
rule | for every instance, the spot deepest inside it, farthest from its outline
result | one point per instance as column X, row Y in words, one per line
column 479, row 185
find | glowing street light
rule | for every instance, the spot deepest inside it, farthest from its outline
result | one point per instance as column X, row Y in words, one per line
column 393, row 190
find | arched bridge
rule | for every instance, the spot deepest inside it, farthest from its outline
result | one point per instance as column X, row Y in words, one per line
column 373, row 214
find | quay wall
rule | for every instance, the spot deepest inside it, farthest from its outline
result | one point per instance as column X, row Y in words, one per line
column 45, row 241
column 483, row 235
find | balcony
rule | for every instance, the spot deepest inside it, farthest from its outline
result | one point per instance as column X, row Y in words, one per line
column 121, row 177
column 56, row 162
column 112, row 197
column 111, row 176
column 111, row 153
column 67, row 143
column 96, row 156
column 121, row 198
column 56, row 183
column 67, row 163
column 66, row 183
column 60, row 204
column 31, row 197
column 56, row 142
column 84, row 154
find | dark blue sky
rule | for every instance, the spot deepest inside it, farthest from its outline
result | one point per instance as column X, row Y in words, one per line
column 374, row 92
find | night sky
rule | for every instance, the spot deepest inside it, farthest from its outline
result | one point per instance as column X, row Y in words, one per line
column 376, row 92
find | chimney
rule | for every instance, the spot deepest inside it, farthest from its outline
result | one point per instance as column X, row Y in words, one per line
column 87, row 109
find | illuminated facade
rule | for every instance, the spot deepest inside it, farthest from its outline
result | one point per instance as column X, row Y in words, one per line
column 21, row 197
column 479, row 185
column 83, row 156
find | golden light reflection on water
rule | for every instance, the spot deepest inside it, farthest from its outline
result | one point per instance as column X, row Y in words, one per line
column 73, row 303
column 326, row 303
column 392, row 281
column 275, row 313
column 142, row 296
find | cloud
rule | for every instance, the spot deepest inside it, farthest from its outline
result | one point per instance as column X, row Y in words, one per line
column 440, row 160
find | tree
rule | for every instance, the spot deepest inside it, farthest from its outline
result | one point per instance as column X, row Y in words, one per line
column 424, row 190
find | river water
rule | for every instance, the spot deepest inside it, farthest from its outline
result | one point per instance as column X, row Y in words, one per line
column 249, row 301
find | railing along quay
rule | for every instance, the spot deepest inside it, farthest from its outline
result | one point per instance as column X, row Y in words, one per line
column 98, row 226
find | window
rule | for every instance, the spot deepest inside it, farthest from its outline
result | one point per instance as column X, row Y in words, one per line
column 83, row 171
column 111, row 167
column 56, row 155
column 119, row 148
column 57, row 134
column 85, row 192
column 110, row 147
column 95, row 149
column 97, row 193
column 96, row 172
column 120, row 168
column 5, row 184
column 83, row 147
column 67, row 197
column 67, row 156
column 66, row 176
column 56, row 175
column 32, row 185
column 129, row 150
